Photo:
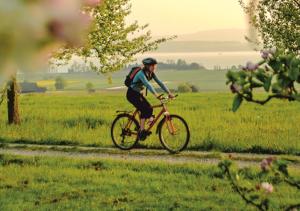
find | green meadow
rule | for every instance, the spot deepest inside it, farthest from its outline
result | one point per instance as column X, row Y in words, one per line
column 82, row 119
column 41, row 183
column 206, row 80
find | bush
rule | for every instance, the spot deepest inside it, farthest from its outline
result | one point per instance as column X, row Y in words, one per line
column 90, row 87
column 184, row 88
column 194, row 88
column 60, row 83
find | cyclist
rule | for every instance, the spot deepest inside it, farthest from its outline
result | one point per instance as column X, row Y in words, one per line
column 135, row 95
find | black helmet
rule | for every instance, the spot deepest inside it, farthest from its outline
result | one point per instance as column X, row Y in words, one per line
column 149, row 61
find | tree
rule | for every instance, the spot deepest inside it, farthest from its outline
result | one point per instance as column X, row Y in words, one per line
column 277, row 22
column 111, row 43
column 90, row 87
column 60, row 83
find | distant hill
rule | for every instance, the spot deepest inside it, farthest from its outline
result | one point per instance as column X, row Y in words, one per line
column 202, row 46
column 219, row 35
column 209, row 41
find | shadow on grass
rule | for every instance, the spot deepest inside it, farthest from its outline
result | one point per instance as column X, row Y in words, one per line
column 6, row 160
column 50, row 142
column 90, row 123
column 210, row 144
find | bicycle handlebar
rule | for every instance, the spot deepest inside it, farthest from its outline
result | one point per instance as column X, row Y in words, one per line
column 164, row 100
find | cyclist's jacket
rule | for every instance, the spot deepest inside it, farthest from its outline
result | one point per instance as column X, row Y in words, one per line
column 140, row 80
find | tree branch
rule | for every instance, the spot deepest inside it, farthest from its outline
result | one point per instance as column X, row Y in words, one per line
column 263, row 102
column 292, row 183
column 236, row 187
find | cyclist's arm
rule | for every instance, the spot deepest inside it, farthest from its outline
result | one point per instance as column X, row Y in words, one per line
column 161, row 84
column 146, row 83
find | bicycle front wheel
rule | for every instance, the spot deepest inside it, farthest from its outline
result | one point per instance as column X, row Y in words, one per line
column 174, row 133
column 124, row 131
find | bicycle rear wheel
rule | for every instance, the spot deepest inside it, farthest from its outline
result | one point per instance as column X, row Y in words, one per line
column 124, row 131
column 174, row 133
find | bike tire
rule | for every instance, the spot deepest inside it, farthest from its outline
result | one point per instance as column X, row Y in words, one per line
column 185, row 140
column 126, row 118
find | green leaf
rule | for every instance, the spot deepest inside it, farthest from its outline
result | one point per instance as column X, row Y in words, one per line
column 256, row 84
column 294, row 69
column 232, row 76
column 261, row 75
column 267, row 84
column 237, row 102
column 276, row 88
column 276, row 65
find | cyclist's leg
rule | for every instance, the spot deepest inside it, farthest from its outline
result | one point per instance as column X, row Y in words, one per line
column 140, row 102
column 145, row 108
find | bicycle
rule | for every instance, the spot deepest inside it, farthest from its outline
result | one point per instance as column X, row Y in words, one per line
column 125, row 128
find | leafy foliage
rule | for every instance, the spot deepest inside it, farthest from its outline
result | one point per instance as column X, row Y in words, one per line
column 277, row 21
column 111, row 43
column 277, row 74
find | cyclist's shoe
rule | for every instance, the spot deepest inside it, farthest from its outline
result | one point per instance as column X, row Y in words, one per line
column 142, row 134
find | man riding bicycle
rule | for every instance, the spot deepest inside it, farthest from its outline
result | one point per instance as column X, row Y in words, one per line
column 135, row 95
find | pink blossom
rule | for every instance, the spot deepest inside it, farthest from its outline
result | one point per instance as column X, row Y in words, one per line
column 265, row 54
column 270, row 160
column 267, row 187
column 266, row 163
column 235, row 88
column 72, row 30
column 251, row 66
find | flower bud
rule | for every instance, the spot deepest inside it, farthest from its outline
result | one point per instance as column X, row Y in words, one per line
column 264, row 165
column 235, row 88
column 265, row 54
column 267, row 187
column 251, row 66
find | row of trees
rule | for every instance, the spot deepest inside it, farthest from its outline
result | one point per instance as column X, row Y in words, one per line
column 180, row 64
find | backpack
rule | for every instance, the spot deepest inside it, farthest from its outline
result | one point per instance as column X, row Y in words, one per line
column 129, row 78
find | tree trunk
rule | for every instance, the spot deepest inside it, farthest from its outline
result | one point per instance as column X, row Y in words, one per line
column 12, row 102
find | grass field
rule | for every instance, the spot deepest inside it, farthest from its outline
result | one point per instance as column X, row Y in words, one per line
column 78, row 118
column 59, row 183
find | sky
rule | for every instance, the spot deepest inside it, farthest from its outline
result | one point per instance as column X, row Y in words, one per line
column 168, row 17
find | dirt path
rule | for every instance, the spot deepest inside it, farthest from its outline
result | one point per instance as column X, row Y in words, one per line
column 134, row 155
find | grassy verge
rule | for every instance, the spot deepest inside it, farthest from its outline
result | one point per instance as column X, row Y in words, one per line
column 58, row 183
